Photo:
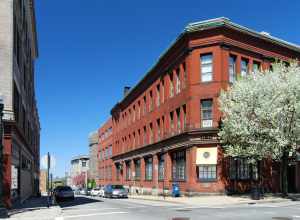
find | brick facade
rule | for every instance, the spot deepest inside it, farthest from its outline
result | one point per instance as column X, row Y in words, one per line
column 162, row 125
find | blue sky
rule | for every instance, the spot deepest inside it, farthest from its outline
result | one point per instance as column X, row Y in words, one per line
column 90, row 49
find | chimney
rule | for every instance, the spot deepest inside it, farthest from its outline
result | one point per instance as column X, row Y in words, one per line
column 126, row 90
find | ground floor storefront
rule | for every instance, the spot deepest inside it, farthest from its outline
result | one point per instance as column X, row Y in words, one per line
column 21, row 177
column 201, row 170
column 195, row 161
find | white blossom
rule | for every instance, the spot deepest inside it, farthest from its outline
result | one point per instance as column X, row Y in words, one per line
column 261, row 114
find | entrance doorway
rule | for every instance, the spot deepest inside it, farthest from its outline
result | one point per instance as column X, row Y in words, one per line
column 291, row 176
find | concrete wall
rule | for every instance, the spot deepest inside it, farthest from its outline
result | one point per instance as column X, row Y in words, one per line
column 6, row 52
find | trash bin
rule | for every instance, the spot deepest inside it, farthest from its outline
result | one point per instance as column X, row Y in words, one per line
column 175, row 190
column 255, row 194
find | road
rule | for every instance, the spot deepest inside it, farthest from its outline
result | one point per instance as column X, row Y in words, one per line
column 92, row 208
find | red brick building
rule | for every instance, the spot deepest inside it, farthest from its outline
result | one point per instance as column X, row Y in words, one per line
column 165, row 128
column 105, row 153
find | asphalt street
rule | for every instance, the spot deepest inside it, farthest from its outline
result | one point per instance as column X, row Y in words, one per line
column 94, row 208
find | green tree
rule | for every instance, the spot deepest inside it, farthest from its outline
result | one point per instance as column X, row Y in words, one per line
column 261, row 116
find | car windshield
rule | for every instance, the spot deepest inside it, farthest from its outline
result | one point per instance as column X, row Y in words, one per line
column 117, row 187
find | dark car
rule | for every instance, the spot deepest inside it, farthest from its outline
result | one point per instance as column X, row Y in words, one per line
column 63, row 193
column 115, row 191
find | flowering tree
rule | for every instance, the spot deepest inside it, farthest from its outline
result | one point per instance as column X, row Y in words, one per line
column 261, row 116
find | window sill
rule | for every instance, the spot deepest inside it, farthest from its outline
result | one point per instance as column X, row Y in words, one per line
column 178, row 181
column 207, row 180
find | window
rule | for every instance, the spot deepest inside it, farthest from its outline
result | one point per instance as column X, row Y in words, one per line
column 148, row 168
column 133, row 115
column 138, row 137
column 157, row 95
column 256, row 66
column 161, row 167
column 83, row 163
column 184, row 75
column 110, row 151
column 128, row 170
column 151, row 102
column 232, row 68
column 145, row 136
column 241, row 169
column 158, row 129
column 151, row 133
column 137, row 168
column 206, row 113
column 207, row 172
column 129, row 116
column 178, row 119
column 206, row 67
column 109, row 170
column 16, row 103
column 177, row 80
column 232, row 169
column 178, row 166
column 133, row 136
column 172, row 121
column 171, row 85
column 118, row 169
column 145, row 106
column 244, row 67
column 139, row 109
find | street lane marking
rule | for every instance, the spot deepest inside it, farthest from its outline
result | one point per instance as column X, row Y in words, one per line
column 59, row 218
column 90, row 209
column 135, row 207
column 94, row 214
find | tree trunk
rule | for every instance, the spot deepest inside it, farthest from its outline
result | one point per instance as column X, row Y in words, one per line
column 284, row 178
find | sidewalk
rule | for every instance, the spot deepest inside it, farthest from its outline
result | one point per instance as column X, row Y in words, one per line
column 211, row 201
column 34, row 209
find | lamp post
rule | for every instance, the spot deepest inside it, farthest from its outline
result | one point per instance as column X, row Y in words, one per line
column 3, row 211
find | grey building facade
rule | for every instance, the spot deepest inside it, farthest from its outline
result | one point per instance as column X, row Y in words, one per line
column 93, row 153
column 18, row 52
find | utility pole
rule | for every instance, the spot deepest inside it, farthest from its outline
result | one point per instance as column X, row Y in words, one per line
column 3, row 211
column 48, row 184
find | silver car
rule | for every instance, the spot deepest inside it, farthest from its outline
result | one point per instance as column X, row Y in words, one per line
column 115, row 191
column 63, row 193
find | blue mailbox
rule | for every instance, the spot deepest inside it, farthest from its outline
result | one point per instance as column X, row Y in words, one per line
column 175, row 190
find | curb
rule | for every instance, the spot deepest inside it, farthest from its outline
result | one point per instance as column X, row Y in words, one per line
column 262, row 201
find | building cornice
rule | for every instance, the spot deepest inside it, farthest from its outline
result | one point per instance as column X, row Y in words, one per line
column 182, row 140
column 180, row 43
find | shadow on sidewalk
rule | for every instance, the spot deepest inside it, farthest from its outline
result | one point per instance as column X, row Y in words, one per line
column 32, row 204
column 77, row 201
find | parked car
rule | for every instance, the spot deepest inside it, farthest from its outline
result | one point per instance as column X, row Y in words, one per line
column 83, row 192
column 95, row 192
column 63, row 193
column 115, row 191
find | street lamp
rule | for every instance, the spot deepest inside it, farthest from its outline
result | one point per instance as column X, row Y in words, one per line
column 3, row 211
